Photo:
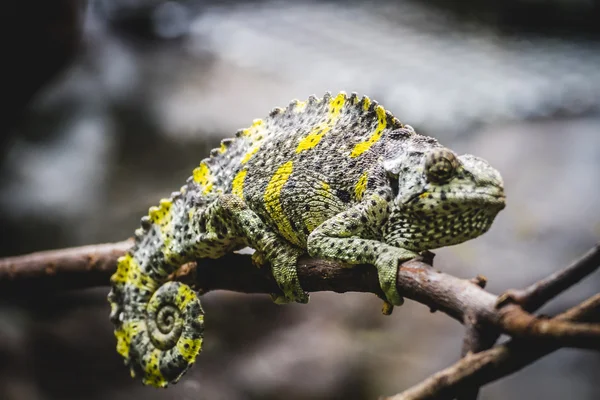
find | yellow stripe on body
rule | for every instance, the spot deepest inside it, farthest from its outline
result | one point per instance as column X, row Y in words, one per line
column 361, row 186
column 250, row 153
column 255, row 133
column 360, row 148
column 203, row 177
column 254, row 129
column 273, row 205
column 316, row 134
column 237, row 186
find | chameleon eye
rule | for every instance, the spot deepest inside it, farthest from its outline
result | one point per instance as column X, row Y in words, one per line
column 440, row 166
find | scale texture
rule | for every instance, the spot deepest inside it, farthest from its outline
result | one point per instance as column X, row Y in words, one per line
column 337, row 177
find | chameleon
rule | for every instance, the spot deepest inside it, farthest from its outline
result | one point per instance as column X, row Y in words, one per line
column 336, row 177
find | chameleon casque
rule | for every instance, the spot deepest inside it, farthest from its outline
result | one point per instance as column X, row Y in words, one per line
column 338, row 177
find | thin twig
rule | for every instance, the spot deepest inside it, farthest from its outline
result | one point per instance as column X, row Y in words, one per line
column 462, row 299
column 520, row 324
column 536, row 295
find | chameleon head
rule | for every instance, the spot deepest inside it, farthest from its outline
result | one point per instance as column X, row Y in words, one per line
column 448, row 200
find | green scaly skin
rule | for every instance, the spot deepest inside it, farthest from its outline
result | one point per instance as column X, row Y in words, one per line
column 337, row 177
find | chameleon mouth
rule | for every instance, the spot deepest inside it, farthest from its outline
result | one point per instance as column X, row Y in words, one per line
column 496, row 200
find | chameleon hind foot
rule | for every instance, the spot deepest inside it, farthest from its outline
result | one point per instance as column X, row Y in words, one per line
column 284, row 270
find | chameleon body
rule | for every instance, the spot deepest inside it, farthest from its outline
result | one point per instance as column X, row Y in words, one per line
column 337, row 177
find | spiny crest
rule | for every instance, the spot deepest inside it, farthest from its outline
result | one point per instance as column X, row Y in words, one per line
column 369, row 105
column 155, row 215
column 250, row 138
column 364, row 104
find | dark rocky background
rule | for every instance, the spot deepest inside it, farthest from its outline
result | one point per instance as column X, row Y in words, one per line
column 141, row 90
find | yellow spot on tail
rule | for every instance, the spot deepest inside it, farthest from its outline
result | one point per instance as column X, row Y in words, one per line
column 130, row 273
column 189, row 348
column 316, row 134
column 123, row 267
column 250, row 153
column 153, row 375
column 126, row 334
column 272, row 199
column 203, row 177
column 254, row 129
column 184, row 295
column 237, row 186
column 424, row 195
column 223, row 148
column 361, row 186
column 364, row 146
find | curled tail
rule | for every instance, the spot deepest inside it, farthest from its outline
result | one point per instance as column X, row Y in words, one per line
column 158, row 324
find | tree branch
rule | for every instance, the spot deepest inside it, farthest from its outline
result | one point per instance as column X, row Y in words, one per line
column 479, row 337
column 464, row 300
column 476, row 370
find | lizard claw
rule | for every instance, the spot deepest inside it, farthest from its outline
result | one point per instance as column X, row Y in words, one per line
column 387, row 269
column 387, row 308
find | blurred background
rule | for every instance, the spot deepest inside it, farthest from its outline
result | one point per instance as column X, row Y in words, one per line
column 112, row 103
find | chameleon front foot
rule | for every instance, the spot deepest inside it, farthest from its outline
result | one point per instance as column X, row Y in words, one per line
column 387, row 281
column 387, row 264
column 387, row 308
column 286, row 275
